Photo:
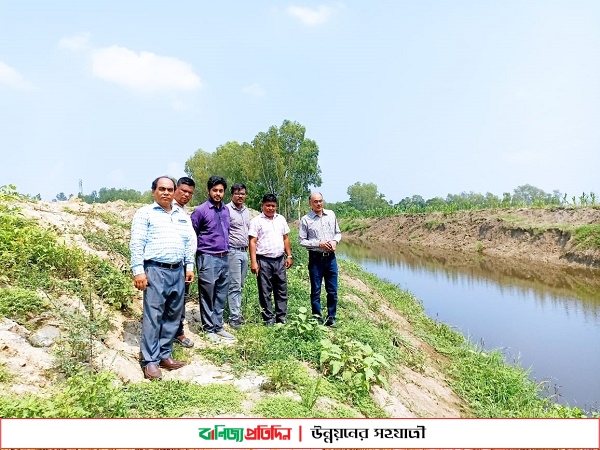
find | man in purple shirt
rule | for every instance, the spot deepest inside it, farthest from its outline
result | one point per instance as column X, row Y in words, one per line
column 211, row 223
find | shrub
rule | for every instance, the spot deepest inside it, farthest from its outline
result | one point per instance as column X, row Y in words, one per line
column 354, row 363
column 20, row 304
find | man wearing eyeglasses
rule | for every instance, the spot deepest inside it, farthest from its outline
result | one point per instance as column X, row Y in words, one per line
column 320, row 233
column 239, row 226
column 163, row 246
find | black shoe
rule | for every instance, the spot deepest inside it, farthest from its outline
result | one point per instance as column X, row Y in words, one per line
column 319, row 319
column 235, row 324
column 269, row 323
column 330, row 323
column 282, row 321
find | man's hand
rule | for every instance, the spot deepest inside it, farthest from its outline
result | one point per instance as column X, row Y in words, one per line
column 189, row 277
column 254, row 268
column 328, row 246
column 288, row 262
column 140, row 282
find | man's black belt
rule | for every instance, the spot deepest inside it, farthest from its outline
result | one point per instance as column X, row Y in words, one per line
column 321, row 254
column 150, row 262
column 272, row 258
column 241, row 249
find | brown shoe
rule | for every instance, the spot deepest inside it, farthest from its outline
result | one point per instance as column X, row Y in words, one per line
column 152, row 372
column 171, row 364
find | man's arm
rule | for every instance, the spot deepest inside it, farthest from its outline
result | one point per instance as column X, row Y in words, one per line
column 139, row 231
column 289, row 260
column 253, row 261
column 190, row 255
column 303, row 239
column 338, row 232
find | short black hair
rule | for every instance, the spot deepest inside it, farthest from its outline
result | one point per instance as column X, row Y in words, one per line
column 155, row 182
column 214, row 180
column 269, row 198
column 238, row 187
column 187, row 181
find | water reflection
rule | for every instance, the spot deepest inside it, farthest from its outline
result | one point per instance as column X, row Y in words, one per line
column 545, row 317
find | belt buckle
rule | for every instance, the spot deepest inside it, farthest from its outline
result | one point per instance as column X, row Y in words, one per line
column 326, row 253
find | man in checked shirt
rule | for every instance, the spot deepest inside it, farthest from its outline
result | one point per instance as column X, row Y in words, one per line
column 320, row 233
column 163, row 246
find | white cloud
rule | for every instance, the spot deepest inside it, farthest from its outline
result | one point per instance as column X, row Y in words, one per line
column 314, row 16
column 12, row 78
column 256, row 90
column 144, row 71
column 77, row 42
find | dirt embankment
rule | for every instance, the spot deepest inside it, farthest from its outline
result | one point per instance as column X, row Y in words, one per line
column 419, row 392
column 534, row 235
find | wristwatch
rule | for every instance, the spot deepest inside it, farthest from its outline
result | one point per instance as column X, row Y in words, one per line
column 290, row 256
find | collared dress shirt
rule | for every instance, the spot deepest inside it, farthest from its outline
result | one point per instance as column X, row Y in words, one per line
column 314, row 228
column 239, row 226
column 212, row 227
column 269, row 234
column 162, row 236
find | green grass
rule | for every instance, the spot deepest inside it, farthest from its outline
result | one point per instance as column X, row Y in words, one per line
column 178, row 398
column 289, row 355
column 587, row 237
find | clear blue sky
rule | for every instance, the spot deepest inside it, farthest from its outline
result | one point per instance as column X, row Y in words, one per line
column 418, row 97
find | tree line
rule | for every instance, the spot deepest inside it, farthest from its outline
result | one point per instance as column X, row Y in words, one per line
column 283, row 161
column 366, row 200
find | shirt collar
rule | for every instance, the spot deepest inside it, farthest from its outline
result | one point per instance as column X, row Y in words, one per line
column 156, row 206
column 213, row 206
column 236, row 208
column 314, row 214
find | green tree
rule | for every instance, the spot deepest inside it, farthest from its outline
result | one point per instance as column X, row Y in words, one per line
column 284, row 162
column 530, row 195
column 231, row 161
column 60, row 197
column 436, row 203
column 365, row 197
column 199, row 168
column 106, row 195
column 280, row 161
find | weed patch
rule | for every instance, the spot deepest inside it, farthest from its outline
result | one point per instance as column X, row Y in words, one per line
column 20, row 304
column 177, row 399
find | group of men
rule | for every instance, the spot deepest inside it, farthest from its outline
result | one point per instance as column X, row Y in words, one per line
column 166, row 243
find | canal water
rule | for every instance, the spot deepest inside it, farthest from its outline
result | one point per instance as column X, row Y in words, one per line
column 543, row 318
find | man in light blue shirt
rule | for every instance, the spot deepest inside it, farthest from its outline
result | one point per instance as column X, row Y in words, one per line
column 163, row 245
